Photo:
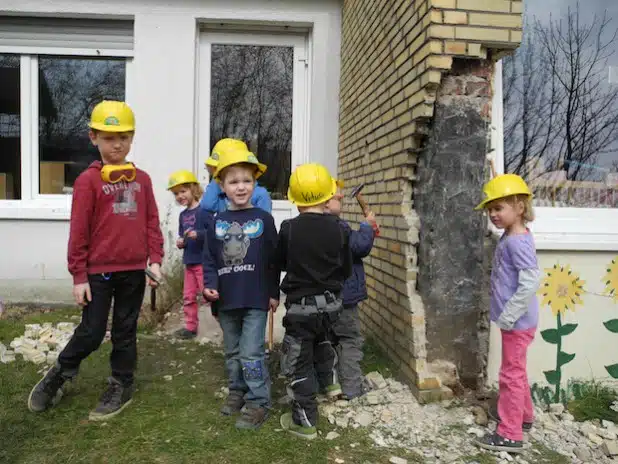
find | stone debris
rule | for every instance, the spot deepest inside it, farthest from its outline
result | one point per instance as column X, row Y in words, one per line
column 6, row 355
column 40, row 343
column 332, row 435
column 445, row 432
column 397, row 460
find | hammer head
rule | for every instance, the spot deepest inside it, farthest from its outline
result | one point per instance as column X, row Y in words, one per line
column 357, row 190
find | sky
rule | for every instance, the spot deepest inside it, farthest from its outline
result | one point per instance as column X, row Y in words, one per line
column 543, row 10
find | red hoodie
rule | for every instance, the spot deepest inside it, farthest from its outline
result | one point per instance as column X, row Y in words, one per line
column 114, row 227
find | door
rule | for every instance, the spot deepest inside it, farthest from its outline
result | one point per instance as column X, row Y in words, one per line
column 253, row 87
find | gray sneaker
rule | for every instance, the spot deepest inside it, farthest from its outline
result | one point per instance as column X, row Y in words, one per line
column 233, row 403
column 47, row 392
column 113, row 401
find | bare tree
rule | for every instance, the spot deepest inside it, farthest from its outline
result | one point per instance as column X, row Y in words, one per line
column 251, row 99
column 559, row 108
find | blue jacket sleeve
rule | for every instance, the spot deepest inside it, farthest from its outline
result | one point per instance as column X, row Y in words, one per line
column 205, row 217
column 361, row 240
column 261, row 199
column 180, row 231
column 274, row 273
column 210, row 199
column 211, row 276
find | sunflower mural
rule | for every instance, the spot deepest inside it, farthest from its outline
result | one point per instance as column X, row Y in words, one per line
column 611, row 289
column 561, row 290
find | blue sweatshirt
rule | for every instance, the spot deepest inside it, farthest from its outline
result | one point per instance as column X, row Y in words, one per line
column 361, row 243
column 239, row 259
column 215, row 201
column 193, row 219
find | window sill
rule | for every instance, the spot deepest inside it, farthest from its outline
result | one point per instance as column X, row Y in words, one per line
column 39, row 209
column 573, row 229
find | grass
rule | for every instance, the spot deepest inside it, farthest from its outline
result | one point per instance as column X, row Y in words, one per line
column 593, row 401
column 173, row 421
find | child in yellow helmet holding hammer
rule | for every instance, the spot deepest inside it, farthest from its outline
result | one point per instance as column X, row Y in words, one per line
column 114, row 235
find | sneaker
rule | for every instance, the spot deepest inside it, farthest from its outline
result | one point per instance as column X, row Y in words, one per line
column 495, row 442
column 493, row 413
column 185, row 334
column 48, row 391
column 251, row 417
column 333, row 391
column 308, row 433
column 233, row 403
column 113, row 401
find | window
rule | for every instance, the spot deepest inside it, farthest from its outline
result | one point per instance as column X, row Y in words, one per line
column 46, row 97
column 559, row 100
column 252, row 101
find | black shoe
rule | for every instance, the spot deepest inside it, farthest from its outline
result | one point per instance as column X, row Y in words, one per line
column 233, row 403
column 48, row 391
column 185, row 334
column 493, row 413
column 114, row 399
column 495, row 442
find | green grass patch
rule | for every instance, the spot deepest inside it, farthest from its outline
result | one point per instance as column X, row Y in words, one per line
column 175, row 421
column 374, row 359
column 593, row 401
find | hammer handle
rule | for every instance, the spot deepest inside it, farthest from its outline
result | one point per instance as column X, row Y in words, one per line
column 366, row 210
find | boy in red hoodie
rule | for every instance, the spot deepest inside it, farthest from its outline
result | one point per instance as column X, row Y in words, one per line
column 114, row 235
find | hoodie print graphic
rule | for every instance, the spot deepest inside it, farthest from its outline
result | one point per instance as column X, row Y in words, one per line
column 124, row 203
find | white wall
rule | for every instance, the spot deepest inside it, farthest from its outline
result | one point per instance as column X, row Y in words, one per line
column 163, row 95
column 593, row 345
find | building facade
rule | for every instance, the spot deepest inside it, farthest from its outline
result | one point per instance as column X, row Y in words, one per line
column 411, row 98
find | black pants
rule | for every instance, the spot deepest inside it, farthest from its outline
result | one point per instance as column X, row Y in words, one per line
column 307, row 346
column 127, row 290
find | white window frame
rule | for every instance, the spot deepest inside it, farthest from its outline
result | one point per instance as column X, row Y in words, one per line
column 300, row 41
column 575, row 229
column 32, row 204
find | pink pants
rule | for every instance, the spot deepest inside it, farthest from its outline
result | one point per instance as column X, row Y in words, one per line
column 514, row 402
column 194, row 284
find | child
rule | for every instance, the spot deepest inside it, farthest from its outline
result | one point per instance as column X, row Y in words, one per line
column 314, row 250
column 114, row 233
column 242, row 281
column 347, row 328
column 191, row 229
column 214, row 199
column 515, row 279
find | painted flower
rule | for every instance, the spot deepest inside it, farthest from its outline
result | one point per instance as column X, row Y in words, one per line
column 611, row 279
column 561, row 289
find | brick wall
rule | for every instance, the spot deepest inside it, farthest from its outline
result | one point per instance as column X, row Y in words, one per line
column 394, row 55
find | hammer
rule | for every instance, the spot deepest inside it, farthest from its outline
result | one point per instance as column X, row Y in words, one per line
column 356, row 193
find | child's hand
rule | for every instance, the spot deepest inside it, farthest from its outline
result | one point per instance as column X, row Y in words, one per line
column 82, row 294
column 210, row 294
column 191, row 234
column 156, row 270
column 273, row 305
column 180, row 243
column 371, row 218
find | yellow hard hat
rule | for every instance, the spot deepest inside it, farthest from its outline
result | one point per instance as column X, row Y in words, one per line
column 239, row 156
column 311, row 184
column 503, row 186
column 181, row 177
column 222, row 146
column 112, row 116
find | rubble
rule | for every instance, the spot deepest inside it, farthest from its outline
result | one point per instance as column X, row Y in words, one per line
column 445, row 432
column 40, row 343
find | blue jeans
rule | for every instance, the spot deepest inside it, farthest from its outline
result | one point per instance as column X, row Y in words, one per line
column 243, row 341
